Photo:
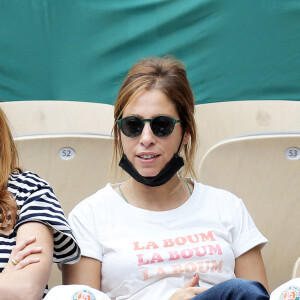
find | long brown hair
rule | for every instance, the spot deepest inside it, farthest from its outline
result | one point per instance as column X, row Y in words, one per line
column 8, row 164
column 167, row 75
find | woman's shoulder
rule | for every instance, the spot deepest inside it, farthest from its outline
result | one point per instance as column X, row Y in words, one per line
column 215, row 194
column 22, row 185
column 220, row 203
column 29, row 189
column 27, row 178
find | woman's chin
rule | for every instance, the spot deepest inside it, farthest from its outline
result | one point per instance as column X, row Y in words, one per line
column 148, row 173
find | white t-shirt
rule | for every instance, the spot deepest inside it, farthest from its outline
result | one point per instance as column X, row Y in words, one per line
column 150, row 254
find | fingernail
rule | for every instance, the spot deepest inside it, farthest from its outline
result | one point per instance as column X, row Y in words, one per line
column 36, row 259
column 38, row 248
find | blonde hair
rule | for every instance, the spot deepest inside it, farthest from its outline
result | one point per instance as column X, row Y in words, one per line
column 167, row 75
column 8, row 164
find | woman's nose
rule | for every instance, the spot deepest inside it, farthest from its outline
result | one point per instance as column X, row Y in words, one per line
column 147, row 136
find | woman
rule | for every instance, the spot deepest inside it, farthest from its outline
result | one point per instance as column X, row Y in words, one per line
column 147, row 237
column 33, row 228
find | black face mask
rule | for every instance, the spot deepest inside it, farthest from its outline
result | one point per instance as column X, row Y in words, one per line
column 167, row 172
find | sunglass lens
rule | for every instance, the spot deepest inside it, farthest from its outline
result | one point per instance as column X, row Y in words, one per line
column 162, row 126
column 132, row 126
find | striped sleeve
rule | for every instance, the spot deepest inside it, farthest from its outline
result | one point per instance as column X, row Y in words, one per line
column 37, row 202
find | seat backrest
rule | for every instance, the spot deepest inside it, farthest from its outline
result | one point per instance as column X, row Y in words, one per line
column 76, row 166
column 221, row 120
column 263, row 170
column 53, row 117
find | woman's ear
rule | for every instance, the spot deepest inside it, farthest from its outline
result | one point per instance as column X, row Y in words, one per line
column 186, row 137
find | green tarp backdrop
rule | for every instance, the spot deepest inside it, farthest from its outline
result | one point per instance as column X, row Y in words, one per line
column 80, row 50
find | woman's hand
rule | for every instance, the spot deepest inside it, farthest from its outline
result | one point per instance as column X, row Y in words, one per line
column 28, row 276
column 189, row 290
column 19, row 255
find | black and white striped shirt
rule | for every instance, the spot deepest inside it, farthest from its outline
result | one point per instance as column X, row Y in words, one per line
column 37, row 202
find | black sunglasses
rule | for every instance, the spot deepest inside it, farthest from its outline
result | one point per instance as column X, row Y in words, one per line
column 161, row 126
